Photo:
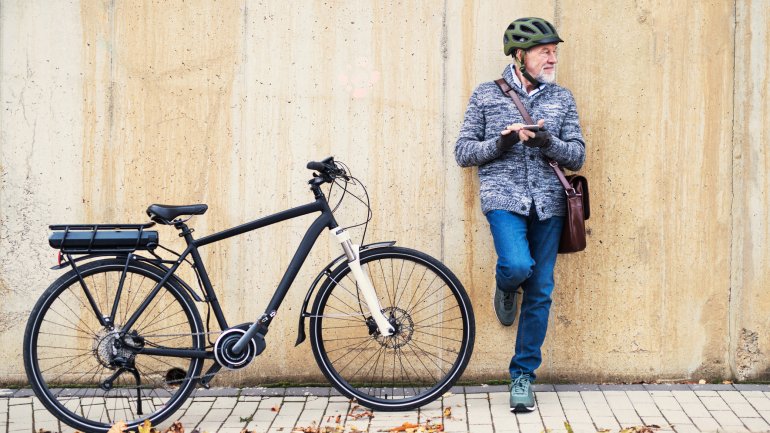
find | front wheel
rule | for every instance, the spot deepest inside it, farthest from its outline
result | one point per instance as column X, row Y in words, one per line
column 433, row 318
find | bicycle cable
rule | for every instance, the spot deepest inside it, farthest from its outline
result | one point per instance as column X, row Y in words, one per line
column 349, row 179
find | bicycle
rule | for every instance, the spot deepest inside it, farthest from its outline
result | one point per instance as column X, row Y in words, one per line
column 119, row 337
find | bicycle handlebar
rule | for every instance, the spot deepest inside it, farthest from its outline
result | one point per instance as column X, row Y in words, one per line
column 328, row 169
column 315, row 166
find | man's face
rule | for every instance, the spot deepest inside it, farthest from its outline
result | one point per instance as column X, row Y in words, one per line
column 540, row 62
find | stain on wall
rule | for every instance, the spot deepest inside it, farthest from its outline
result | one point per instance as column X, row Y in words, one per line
column 751, row 198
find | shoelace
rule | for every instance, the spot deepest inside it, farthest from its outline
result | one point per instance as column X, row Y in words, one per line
column 508, row 300
column 520, row 385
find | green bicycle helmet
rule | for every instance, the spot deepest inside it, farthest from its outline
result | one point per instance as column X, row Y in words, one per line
column 525, row 33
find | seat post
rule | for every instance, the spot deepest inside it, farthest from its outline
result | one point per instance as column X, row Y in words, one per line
column 185, row 232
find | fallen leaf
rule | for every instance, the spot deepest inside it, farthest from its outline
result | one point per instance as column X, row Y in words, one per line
column 40, row 430
column 448, row 412
column 276, row 408
column 727, row 382
column 403, row 427
column 358, row 412
column 338, row 419
column 175, row 427
column 118, row 427
column 312, row 429
column 146, row 427
column 568, row 427
column 640, row 429
column 702, row 382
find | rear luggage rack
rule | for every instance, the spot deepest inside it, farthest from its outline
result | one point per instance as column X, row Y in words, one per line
column 102, row 238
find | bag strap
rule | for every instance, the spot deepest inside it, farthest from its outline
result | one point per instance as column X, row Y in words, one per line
column 516, row 100
column 527, row 118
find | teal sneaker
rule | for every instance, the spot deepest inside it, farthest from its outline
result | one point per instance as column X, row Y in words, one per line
column 522, row 397
column 505, row 306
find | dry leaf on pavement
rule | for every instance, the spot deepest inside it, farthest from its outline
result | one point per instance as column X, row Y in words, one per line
column 404, row 427
column 175, row 427
column 146, row 427
column 640, row 429
column 358, row 412
column 118, row 427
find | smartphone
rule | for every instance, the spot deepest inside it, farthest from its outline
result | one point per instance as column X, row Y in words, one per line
column 534, row 128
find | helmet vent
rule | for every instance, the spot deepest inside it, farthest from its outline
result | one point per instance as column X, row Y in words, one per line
column 540, row 27
column 528, row 29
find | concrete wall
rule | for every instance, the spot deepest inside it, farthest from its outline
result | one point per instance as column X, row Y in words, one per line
column 110, row 106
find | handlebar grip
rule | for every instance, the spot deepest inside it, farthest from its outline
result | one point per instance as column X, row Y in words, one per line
column 316, row 166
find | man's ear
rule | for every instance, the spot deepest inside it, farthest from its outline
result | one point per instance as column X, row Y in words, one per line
column 517, row 53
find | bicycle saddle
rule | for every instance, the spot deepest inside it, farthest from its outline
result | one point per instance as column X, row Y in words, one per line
column 165, row 214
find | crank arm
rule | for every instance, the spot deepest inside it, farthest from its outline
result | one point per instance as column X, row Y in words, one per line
column 209, row 375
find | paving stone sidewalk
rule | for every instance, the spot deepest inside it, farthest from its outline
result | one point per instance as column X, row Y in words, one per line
column 471, row 409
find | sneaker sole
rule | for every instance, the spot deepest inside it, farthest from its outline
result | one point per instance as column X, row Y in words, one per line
column 521, row 408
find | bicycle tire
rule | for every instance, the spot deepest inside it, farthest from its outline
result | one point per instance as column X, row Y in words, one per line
column 68, row 353
column 435, row 331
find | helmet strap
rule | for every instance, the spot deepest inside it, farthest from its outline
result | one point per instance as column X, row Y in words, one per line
column 523, row 69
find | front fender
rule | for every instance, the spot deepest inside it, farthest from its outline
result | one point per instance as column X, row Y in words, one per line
column 325, row 273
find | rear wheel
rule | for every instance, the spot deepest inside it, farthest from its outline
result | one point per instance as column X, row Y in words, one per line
column 88, row 374
column 433, row 318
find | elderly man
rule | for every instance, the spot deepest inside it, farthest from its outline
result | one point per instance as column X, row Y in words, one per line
column 520, row 194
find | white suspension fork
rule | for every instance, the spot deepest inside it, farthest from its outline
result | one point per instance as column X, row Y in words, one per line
column 364, row 284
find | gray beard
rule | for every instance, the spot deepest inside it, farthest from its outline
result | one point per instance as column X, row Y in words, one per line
column 543, row 78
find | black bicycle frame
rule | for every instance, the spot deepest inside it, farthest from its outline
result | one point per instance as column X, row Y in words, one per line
column 324, row 221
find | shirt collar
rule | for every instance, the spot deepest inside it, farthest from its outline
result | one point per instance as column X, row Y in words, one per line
column 516, row 82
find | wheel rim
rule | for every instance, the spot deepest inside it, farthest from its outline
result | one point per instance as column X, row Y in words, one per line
column 429, row 349
column 73, row 356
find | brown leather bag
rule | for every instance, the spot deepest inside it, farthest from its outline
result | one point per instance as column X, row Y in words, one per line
column 573, row 234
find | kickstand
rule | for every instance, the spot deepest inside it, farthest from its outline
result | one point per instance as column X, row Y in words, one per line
column 138, row 390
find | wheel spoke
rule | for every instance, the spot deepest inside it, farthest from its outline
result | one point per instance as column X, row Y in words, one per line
column 75, row 350
column 431, row 314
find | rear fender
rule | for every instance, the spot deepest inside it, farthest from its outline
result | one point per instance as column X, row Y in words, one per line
column 325, row 273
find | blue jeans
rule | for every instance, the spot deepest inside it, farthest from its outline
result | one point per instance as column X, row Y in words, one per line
column 526, row 254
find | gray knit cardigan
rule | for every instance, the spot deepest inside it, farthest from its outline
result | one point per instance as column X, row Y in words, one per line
column 516, row 178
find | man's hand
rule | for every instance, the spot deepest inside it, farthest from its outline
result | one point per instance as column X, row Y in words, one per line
column 515, row 132
column 508, row 136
